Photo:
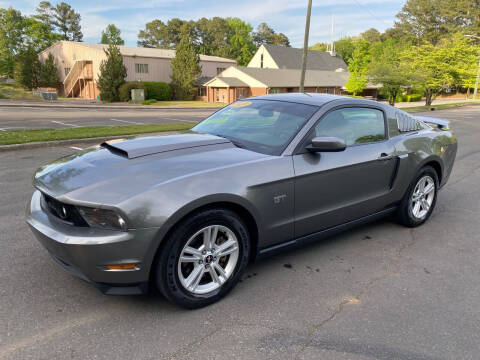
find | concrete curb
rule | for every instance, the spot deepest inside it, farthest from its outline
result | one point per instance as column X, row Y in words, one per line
column 107, row 107
column 88, row 141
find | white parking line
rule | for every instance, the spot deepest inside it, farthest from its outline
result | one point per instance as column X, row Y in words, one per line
column 61, row 123
column 125, row 121
column 164, row 118
column 75, row 148
column 11, row 128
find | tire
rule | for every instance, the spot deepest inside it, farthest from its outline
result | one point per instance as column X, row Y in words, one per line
column 177, row 265
column 407, row 214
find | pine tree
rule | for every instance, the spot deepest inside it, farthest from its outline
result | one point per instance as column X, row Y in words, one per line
column 27, row 69
column 49, row 73
column 185, row 69
column 112, row 74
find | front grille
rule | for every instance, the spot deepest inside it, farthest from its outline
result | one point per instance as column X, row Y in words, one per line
column 65, row 212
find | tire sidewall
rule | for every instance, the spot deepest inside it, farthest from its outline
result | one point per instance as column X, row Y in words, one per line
column 167, row 267
column 410, row 219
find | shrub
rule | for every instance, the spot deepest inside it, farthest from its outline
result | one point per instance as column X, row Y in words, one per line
column 125, row 92
column 149, row 102
column 414, row 97
column 409, row 98
column 158, row 90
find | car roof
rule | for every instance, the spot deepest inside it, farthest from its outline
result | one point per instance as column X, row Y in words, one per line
column 303, row 98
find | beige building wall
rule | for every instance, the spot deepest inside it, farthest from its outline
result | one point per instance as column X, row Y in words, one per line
column 66, row 53
column 268, row 62
column 159, row 68
column 247, row 79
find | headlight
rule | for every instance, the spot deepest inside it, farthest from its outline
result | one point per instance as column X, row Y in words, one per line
column 103, row 219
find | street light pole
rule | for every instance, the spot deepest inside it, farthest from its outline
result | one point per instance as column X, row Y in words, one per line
column 305, row 47
column 475, row 90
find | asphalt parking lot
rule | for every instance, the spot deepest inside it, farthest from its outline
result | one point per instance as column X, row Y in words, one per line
column 380, row 291
column 32, row 117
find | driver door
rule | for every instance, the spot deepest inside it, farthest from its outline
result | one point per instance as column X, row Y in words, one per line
column 332, row 188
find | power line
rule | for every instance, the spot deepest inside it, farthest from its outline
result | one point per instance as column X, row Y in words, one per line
column 371, row 13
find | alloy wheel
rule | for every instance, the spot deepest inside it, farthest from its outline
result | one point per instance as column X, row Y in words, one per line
column 208, row 259
column 422, row 197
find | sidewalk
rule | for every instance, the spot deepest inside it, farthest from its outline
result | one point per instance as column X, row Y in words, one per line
column 435, row 102
column 91, row 104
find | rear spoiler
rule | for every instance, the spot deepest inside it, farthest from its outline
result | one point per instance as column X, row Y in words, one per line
column 442, row 124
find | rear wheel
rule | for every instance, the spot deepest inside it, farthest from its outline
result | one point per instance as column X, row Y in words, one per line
column 420, row 199
column 203, row 258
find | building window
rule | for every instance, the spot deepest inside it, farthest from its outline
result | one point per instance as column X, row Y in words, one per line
column 275, row 91
column 219, row 70
column 141, row 68
column 67, row 70
column 261, row 61
column 202, row 91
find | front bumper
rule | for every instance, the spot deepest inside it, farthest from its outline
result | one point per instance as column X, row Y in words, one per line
column 86, row 252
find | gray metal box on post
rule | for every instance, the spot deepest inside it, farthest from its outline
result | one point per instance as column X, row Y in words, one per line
column 138, row 95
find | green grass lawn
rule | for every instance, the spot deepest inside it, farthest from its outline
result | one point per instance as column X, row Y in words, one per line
column 28, row 136
column 438, row 107
column 187, row 104
column 14, row 91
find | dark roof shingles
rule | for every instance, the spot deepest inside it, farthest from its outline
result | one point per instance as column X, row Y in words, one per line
column 291, row 58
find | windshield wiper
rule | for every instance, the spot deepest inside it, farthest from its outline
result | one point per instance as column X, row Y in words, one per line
column 234, row 142
column 237, row 144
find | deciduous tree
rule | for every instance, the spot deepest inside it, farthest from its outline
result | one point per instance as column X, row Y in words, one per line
column 387, row 70
column 11, row 32
column 111, row 35
column 240, row 40
column 266, row 35
column 431, row 20
column 441, row 67
column 358, row 67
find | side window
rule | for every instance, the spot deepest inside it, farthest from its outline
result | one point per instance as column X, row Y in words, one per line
column 354, row 125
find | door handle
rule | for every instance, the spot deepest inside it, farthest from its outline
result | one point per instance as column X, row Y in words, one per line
column 385, row 157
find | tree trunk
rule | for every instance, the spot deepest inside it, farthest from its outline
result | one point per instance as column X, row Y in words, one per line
column 391, row 100
column 428, row 98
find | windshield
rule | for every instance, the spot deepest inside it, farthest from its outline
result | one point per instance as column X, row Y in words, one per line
column 263, row 126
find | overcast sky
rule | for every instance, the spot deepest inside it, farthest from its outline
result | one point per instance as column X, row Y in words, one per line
column 287, row 16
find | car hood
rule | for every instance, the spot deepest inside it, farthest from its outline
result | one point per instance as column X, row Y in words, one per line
column 114, row 171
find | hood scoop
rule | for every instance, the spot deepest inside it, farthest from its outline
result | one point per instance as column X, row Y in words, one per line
column 138, row 147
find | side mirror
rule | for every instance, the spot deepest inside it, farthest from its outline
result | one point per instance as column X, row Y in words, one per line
column 326, row 144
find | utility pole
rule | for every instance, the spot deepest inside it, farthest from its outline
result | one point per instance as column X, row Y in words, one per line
column 305, row 47
column 475, row 90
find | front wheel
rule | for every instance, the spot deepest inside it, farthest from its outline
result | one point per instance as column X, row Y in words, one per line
column 419, row 201
column 203, row 258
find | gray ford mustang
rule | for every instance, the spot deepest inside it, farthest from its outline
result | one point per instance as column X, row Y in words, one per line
column 186, row 213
